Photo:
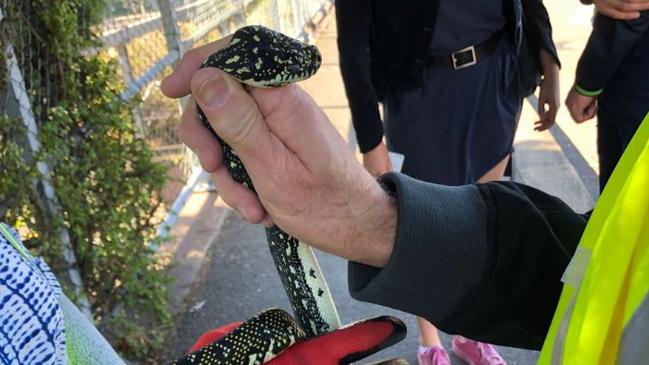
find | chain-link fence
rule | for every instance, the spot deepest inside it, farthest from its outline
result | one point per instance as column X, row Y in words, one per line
column 148, row 36
column 20, row 142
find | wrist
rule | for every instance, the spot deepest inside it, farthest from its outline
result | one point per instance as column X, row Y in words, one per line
column 549, row 66
column 369, row 144
column 551, row 72
column 584, row 92
column 378, row 148
column 373, row 227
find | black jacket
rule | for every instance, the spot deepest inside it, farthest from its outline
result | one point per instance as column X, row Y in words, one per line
column 383, row 49
column 483, row 261
column 610, row 43
column 616, row 63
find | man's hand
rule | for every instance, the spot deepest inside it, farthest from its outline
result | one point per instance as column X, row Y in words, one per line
column 621, row 9
column 377, row 160
column 581, row 107
column 308, row 182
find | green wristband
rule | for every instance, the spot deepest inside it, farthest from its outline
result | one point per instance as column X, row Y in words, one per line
column 585, row 92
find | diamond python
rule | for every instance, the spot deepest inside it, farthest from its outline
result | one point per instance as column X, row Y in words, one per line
column 260, row 57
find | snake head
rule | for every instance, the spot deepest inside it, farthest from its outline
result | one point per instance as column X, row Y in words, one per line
column 262, row 57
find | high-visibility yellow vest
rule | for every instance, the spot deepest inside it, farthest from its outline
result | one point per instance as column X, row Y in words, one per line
column 603, row 313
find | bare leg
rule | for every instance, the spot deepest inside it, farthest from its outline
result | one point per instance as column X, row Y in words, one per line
column 428, row 335
column 469, row 350
column 496, row 173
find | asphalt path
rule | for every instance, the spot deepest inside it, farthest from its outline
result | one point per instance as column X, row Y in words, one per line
column 239, row 280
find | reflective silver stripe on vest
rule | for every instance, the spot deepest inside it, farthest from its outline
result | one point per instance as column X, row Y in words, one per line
column 572, row 276
column 576, row 269
column 634, row 345
column 562, row 331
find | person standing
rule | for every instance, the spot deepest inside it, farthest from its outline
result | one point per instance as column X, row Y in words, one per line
column 612, row 82
column 447, row 74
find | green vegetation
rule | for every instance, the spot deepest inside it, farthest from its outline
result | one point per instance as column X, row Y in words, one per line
column 106, row 179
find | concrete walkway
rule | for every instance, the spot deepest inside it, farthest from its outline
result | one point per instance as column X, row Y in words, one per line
column 326, row 86
column 224, row 272
column 541, row 162
column 563, row 160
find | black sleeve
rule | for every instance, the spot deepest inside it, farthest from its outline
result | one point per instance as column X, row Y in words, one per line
column 538, row 28
column 609, row 43
column 353, row 22
column 484, row 261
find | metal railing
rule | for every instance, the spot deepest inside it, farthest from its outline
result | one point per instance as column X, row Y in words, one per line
column 147, row 37
column 148, row 40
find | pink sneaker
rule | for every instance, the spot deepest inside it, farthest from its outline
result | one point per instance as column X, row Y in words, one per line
column 476, row 353
column 434, row 356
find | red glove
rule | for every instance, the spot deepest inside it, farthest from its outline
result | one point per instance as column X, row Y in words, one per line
column 343, row 346
column 214, row 335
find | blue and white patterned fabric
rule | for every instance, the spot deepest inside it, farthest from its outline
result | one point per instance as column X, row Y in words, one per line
column 31, row 323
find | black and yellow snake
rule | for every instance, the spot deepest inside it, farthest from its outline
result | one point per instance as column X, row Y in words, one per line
column 260, row 57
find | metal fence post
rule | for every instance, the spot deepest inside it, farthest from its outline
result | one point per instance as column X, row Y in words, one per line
column 197, row 18
column 277, row 24
column 43, row 185
column 172, row 34
column 127, row 73
column 297, row 15
column 171, row 30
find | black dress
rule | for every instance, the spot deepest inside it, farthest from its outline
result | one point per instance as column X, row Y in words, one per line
column 452, row 125
column 459, row 123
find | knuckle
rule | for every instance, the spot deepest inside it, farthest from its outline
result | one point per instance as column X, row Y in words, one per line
column 183, row 132
column 190, row 56
column 241, row 125
column 208, row 164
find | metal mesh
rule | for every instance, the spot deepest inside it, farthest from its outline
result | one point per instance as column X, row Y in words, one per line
column 147, row 40
column 146, row 37
column 27, row 88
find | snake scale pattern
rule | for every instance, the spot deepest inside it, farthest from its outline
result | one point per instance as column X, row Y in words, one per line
column 255, row 341
column 260, row 57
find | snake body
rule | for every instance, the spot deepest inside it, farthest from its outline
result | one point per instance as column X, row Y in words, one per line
column 260, row 57
column 255, row 341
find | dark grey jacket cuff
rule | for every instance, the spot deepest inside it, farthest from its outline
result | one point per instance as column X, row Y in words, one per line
column 439, row 254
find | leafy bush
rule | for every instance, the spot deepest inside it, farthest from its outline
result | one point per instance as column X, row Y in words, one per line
column 105, row 177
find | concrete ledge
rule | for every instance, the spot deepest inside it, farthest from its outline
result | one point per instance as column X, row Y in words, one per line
column 197, row 226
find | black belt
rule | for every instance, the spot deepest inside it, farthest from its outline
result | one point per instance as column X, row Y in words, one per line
column 465, row 57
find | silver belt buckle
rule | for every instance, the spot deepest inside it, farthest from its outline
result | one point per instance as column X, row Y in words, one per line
column 464, row 65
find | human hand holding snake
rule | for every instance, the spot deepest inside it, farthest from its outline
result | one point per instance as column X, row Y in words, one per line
column 308, row 182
